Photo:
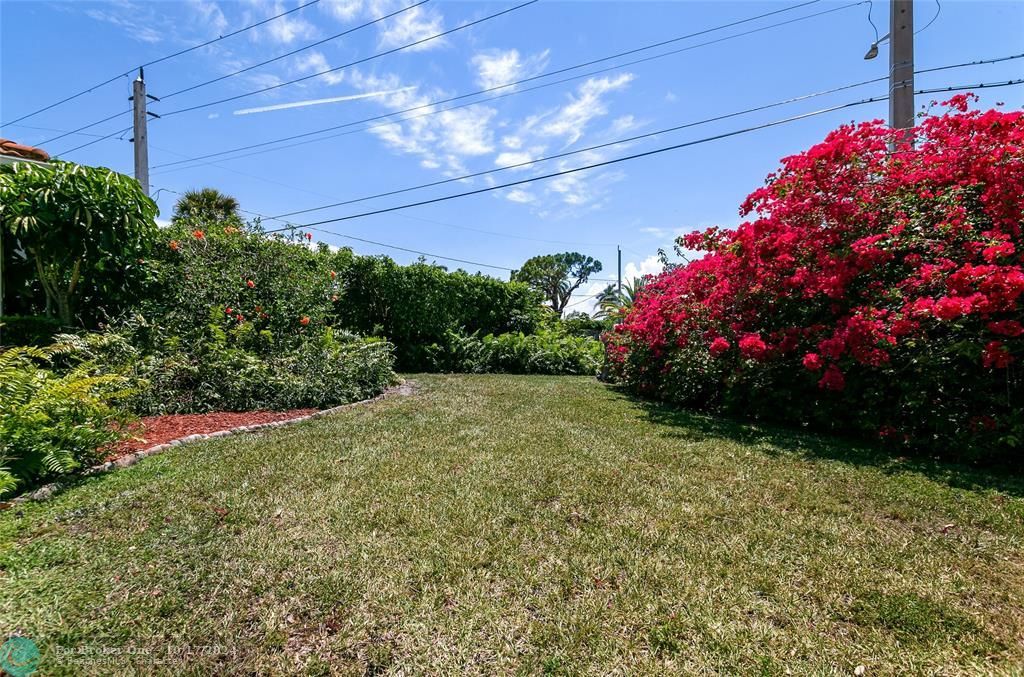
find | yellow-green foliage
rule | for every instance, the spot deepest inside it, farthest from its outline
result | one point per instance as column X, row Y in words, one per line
column 52, row 423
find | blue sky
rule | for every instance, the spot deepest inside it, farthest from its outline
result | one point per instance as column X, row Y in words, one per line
column 52, row 49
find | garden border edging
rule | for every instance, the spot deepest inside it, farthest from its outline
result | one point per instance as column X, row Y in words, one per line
column 48, row 490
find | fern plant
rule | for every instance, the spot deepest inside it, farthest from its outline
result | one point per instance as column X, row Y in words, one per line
column 53, row 423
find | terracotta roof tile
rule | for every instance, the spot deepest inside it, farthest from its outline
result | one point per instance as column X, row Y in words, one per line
column 8, row 147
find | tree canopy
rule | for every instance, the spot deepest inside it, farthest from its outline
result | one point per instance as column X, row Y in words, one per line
column 557, row 276
column 73, row 223
column 207, row 206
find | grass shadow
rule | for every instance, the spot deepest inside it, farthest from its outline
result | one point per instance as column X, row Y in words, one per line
column 777, row 440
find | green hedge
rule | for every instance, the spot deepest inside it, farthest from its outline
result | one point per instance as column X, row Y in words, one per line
column 548, row 351
column 420, row 305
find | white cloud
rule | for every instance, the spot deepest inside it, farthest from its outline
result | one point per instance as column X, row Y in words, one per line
column 649, row 266
column 509, row 159
column 262, row 80
column 671, row 97
column 521, row 196
column 283, row 30
column 209, row 16
column 584, row 299
column 496, row 67
column 587, row 103
column 316, row 62
column 128, row 17
column 342, row 10
column 412, row 26
column 623, row 124
column 466, row 131
column 442, row 140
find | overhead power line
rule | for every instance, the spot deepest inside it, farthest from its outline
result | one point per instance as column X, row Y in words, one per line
column 289, row 82
column 377, row 55
column 244, row 70
column 199, row 158
column 296, row 227
column 295, row 51
column 600, row 146
column 161, row 59
column 429, row 107
column 655, row 151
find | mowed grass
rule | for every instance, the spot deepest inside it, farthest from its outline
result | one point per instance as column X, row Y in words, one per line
column 501, row 524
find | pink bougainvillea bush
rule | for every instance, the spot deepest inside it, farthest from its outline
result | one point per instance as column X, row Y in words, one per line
column 870, row 292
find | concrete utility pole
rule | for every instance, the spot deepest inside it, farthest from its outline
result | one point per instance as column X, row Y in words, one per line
column 619, row 250
column 141, row 137
column 901, row 67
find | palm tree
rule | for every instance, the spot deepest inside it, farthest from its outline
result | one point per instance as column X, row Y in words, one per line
column 611, row 302
column 206, row 205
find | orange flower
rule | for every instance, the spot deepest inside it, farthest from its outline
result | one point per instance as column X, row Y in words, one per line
column 173, row 244
column 198, row 234
column 333, row 275
column 250, row 284
column 230, row 230
column 304, row 321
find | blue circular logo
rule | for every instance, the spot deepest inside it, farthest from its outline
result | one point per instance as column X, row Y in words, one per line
column 19, row 657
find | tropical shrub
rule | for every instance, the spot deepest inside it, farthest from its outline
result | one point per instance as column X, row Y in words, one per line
column 240, row 368
column 77, row 234
column 241, row 276
column 581, row 324
column 872, row 292
column 51, row 422
column 420, row 305
column 547, row 351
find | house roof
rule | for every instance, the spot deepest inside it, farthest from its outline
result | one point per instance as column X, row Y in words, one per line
column 12, row 149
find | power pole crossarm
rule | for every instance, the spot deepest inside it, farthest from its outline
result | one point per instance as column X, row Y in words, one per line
column 141, row 137
column 901, row 67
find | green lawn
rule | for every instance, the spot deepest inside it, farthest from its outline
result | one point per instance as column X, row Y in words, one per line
column 495, row 524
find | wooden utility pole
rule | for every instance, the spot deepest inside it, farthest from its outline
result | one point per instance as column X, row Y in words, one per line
column 901, row 68
column 140, row 137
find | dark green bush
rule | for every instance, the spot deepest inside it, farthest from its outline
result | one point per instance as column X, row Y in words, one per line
column 546, row 352
column 28, row 330
column 581, row 324
column 239, row 369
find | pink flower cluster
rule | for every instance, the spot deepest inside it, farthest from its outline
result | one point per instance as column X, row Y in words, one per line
column 853, row 258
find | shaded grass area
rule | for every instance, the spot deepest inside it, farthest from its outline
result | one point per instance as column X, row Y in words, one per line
column 521, row 524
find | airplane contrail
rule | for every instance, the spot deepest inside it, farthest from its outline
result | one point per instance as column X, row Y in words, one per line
column 316, row 102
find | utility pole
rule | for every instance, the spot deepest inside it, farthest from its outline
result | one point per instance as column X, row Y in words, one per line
column 901, row 68
column 618, row 248
column 141, row 138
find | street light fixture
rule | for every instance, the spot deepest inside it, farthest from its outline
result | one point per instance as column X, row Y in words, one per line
column 873, row 50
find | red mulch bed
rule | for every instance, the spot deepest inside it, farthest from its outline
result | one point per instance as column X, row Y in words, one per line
column 150, row 431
